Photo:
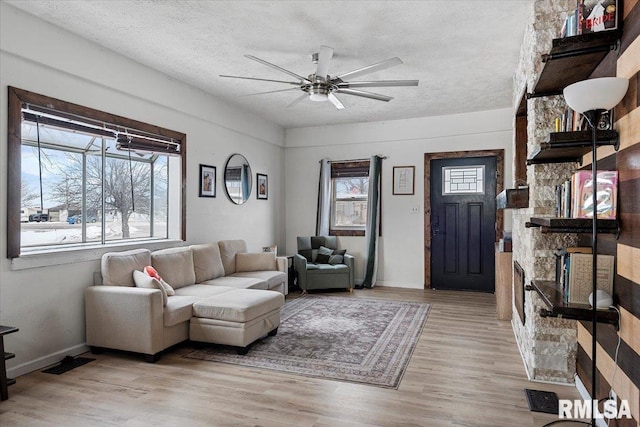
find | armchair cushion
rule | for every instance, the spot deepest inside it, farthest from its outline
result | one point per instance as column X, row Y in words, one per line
column 323, row 259
column 337, row 257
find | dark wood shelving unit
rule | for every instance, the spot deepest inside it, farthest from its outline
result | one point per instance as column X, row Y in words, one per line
column 4, row 381
column 572, row 59
column 572, row 225
column 551, row 294
column 561, row 147
column 513, row 198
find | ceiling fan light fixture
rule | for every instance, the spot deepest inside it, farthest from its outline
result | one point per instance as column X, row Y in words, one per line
column 318, row 93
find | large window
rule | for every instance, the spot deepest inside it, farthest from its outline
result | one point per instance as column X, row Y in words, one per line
column 88, row 177
column 349, row 189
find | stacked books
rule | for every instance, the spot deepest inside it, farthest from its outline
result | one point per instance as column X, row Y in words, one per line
column 574, row 197
column 574, row 267
column 591, row 16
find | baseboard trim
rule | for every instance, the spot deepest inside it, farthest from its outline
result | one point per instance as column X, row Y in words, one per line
column 46, row 361
column 383, row 283
column 524, row 362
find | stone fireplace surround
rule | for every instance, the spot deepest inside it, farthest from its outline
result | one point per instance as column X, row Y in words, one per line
column 548, row 345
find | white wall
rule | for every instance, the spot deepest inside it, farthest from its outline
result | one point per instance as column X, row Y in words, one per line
column 404, row 142
column 46, row 303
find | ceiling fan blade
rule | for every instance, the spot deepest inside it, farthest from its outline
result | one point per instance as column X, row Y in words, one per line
column 364, row 94
column 262, row 80
column 335, row 101
column 324, row 59
column 271, row 91
column 379, row 83
column 268, row 64
column 370, row 69
column 297, row 100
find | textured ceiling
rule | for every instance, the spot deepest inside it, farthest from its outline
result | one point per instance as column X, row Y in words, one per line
column 463, row 52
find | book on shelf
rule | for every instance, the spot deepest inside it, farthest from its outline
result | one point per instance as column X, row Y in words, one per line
column 597, row 15
column 607, row 194
column 563, row 266
column 563, row 200
column 580, row 276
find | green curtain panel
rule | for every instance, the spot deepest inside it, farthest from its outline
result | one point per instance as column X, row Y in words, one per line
column 373, row 223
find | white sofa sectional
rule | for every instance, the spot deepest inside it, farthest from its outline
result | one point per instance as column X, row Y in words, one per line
column 223, row 295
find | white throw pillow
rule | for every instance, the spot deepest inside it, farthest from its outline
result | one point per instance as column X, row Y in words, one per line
column 142, row 280
column 152, row 272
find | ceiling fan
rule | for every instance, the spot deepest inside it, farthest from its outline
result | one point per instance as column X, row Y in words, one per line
column 320, row 86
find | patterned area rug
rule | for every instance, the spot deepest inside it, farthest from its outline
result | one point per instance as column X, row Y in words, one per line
column 347, row 339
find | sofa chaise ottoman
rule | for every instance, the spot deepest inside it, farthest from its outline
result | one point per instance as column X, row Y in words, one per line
column 124, row 315
column 237, row 318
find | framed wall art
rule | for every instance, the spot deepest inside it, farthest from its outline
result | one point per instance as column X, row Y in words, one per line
column 403, row 180
column 262, row 186
column 207, row 181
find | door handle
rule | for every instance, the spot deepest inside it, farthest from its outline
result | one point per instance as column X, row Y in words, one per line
column 435, row 225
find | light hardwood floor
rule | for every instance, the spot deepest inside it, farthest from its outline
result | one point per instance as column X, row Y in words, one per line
column 465, row 371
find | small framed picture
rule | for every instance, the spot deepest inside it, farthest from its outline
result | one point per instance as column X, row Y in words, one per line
column 262, row 187
column 403, row 180
column 207, row 181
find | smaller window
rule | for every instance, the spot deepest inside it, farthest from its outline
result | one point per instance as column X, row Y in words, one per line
column 349, row 197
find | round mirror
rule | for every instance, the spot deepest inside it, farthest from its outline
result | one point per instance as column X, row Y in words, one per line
column 237, row 178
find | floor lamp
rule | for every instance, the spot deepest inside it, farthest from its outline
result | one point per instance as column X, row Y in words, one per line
column 591, row 98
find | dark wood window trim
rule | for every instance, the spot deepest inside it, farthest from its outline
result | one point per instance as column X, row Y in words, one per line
column 350, row 233
column 356, row 168
column 18, row 97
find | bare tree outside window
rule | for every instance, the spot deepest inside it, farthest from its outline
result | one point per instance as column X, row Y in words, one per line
column 350, row 202
column 80, row 185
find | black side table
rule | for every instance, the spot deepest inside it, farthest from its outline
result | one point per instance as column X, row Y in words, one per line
column 4, row 381
column 293, row 275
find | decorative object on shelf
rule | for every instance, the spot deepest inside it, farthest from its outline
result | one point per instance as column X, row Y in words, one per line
column 513, row 198
column 272, row 248
column 582, row 194
column 207, row 181
column 237, row 179
column 592, row 97
column 580, row 267
column 262, row 186
column 603, row 299
column 597, row 15
column 606, row 120
column 403, row 180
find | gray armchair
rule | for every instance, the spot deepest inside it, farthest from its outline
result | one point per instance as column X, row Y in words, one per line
column 321, row 265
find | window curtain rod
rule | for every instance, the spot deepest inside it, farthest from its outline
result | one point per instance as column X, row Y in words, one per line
column 352, row 160
column 76, row 121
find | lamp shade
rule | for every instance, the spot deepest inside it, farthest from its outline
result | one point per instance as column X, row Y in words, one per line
column 596, row 94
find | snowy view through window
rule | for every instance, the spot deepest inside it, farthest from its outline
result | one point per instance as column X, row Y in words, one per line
column 350, row 202
column 80, row 188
